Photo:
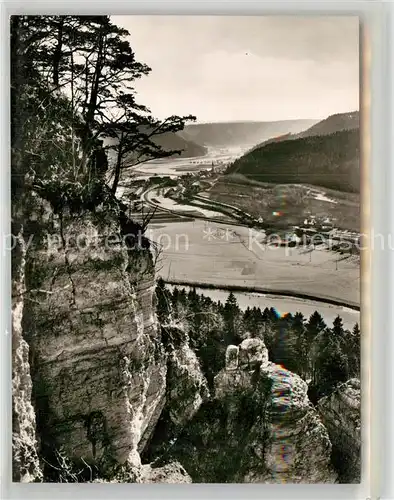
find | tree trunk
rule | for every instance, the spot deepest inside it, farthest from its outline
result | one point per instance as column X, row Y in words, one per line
column 58, row 52
column 92, row 105
column 118, row 165
column 95, row 84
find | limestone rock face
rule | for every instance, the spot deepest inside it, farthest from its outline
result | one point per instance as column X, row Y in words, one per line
column 260, row 426
column 252, row 353
column 341, row 414
column 172, row 473
column 25, row 466
column 187, row 387
column 187, row 390
column 99, row 366
column 232, row 354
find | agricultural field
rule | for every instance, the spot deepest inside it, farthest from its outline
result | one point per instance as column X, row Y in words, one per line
column 292, row 201
column 219, row 254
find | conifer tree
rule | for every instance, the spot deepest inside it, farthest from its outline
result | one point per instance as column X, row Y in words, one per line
column 231, row 315
column 315, row 339
column 88, row 62
column 337, row 330
column 314, row 326
column 332, row 366
column 353, row 341
column 163, row 307
column 300, row 348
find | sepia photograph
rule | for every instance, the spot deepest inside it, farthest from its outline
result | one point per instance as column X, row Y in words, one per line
column 185, row 245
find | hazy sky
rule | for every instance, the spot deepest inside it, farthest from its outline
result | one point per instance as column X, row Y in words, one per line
column 246, row 68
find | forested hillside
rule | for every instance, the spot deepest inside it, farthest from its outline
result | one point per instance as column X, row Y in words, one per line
column 330, row 161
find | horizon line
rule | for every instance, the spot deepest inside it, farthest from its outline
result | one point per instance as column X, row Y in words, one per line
column 207, row 122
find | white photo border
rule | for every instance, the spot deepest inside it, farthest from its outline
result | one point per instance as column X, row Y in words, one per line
column 377, row 98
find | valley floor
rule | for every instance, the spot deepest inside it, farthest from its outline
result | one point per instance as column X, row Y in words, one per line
column 219, row 254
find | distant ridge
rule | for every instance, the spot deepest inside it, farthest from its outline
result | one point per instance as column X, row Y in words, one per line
column 219, row 122
column 174, row 141
column 331, row 124
column 234, row 133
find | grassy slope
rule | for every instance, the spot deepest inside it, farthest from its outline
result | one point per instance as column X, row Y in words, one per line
column 293, row 201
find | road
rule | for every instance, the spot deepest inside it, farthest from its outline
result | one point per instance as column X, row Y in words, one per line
column 149, row 196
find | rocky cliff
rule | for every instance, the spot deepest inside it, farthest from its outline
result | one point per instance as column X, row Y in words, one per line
column 25, row 463
column 85, row 302
column 341, row 414
column 98, row 366
column 110, row 386
column 259, row 427
column 187, row 387
column 172, row 473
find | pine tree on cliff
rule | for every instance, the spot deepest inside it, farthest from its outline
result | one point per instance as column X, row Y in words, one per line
column 89, row 58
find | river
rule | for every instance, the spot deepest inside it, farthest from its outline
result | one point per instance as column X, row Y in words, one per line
column 176, row 166
column 283, row 305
